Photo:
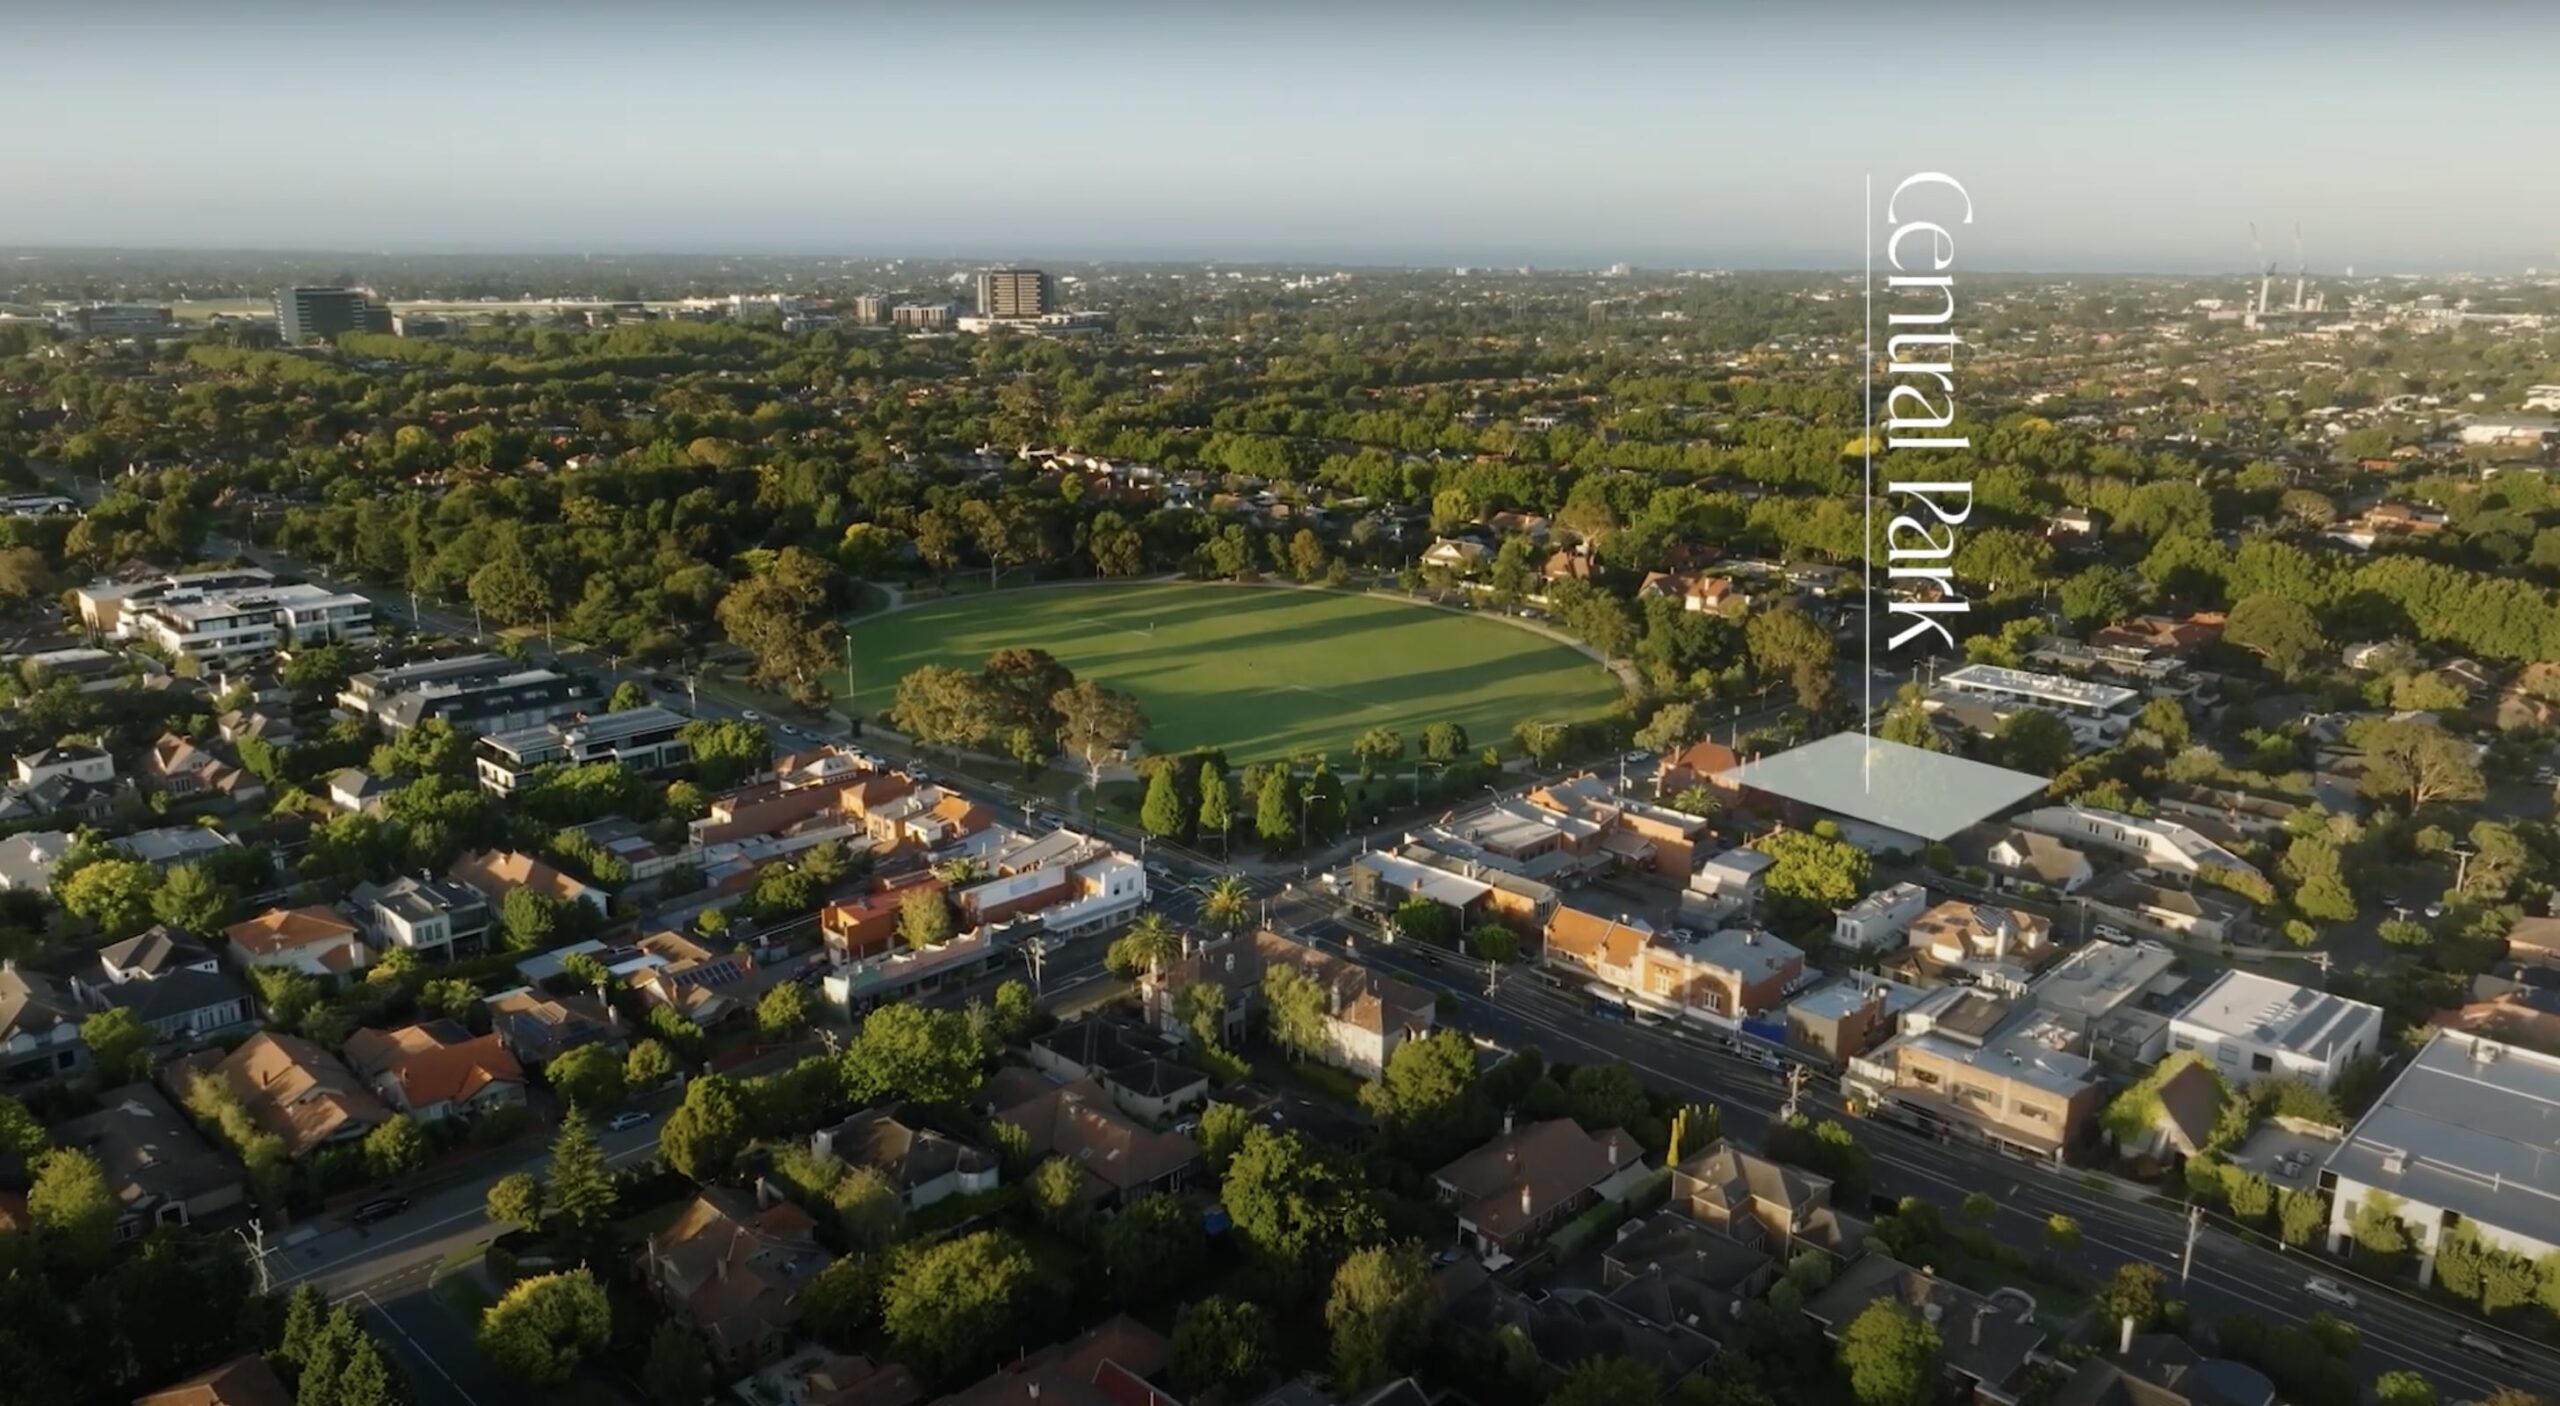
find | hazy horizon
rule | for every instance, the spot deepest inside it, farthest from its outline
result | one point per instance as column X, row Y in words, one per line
column 1424, row 136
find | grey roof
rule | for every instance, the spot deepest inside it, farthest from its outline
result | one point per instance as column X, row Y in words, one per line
column 154, row 951
column 416, row 900
column 1927, row 794
column 31, row 1003
column 1751, row 955
column 1993, row 1356
column 172, row 844
column 2478, row 1136
column 2247, row 1006
column 182, row 992
column 148, row 1152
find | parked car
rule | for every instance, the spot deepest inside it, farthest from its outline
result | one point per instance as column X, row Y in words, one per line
column 2109, row 932
column 381, row 1208
column 627, row 1118
column 2328, row 1291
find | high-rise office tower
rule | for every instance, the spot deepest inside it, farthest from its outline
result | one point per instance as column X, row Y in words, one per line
column 871, row 309
column 1013, row 293
column 317, row 314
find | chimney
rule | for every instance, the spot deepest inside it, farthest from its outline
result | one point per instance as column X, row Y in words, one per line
column 1977, row 1325
column 1526, row 1206
column 1613, row 1152
column 1506, row 1123
column 2124, row 1338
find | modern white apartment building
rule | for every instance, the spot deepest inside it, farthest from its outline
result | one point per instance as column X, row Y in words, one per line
column 2148, row 840
column 2255, row 1027
column 2097, row 713
column 226, row 627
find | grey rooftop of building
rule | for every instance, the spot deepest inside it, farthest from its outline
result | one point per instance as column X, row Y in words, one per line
column 1927, row 794
column 2472, row 1126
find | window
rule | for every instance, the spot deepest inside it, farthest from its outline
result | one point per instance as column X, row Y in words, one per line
column 2260, row 1064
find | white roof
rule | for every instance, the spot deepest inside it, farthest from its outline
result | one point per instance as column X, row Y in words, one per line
column 2242, row 1005
column 1929, row 795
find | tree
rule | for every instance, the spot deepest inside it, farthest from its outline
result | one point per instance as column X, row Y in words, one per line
column 1891, row 1355
column 2411, row 761
column 1294, row 1207
column 2377, row 1226
column 21, row 1135
column 1054, row 1187
column 72, row 1206
column 2136, row 1290
column 1608, row 1381
column 1788, row 643
column 2061, row 1233
column 1379, row 1313
column 590, row 1078
column 647, row 1066
column 910, row 1052
column 1275, row 815
column 1492, row 942
column 1222, row 1131
column 1540, row 741
column 677, row 1372
column 516, row 1199
column 1377, row 749
column 119, row 1043
column 1153, row 1249
column 1220, row 1347
column 112, row 894
column 924, row 918
column 950, row 1306
column 1444, row 742
column 1979, row 1207
column 2281, row 631
column 708, row 1130
column 581, row 1191
column 2037, row 742
column 1672, row 727
column 1814, row 871
column 1095, row 720
column 2403, row 1388
column 546, row 1326
column 1427, row 1095
column 396, row 1147
column 783, row 618
column 1149, row 943
column 1294, row 1011
column 1605, row 1096
column 1165, row 813
column 784, row 1011
column 192, row 900
column 840, row 1301
column 628, row 695
column 1217, row 803
column 529, row 918
column 1228, row 905
column 2097, row 596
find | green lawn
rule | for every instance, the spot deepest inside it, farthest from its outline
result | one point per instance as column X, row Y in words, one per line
column 1259, row 671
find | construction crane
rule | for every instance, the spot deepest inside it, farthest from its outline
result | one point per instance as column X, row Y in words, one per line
column 2266, row 270
column 2301, row 270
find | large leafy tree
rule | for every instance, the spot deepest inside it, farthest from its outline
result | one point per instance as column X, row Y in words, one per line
column 705, row 1134
column 2416, row 763
column 948, row 1308
column 912, row 1052
column 1379, row 1313
column 1222, row 1346
column 581, row 1192
column 1295, row 1208
column 1891, row 1356
column 546, row 1326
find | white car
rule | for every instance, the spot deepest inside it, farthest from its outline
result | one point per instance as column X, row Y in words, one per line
column 2328, row 1291
column 751, row 715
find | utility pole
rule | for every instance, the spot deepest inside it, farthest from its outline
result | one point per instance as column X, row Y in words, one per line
column 1035, row 953
column 2187, row 1260
column 254, row 1235
column 1795, row 1094
column 1492, row 979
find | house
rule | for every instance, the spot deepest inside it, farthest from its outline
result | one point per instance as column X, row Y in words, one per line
column 1878, row 921
column 159, row 1169
column 1729, row 973
column 276, row 729
column 2149, row 841
column 2527, row 1017
column 293, row 1089
column 2201, row 915
column 313, row 940
column 1142, row 1071
column 182, row 771
column 2255, row 1027
column 1459, row 554
column 1636, row 835
column 1845, row 1018
column 1671, row 1270
column 1565, row 1327
column 170, row 846
column 39, row 1029
column 2105, row 991
column 1985, row 1346
column 242, row 1381
column 2022, row 858
column 851, row 1379
column 1120, row 1158
column 1698, row 764
column 1367, row 1015
column 493, row 874
column 2163, row 634
column 173, row 984
column 71, row 761
column 27, row 860
column 538, row 1029
column 1978, row 944
column 356, row 790
column 1526, row 1180
column 437, row 1070
column 2190, row 1099
column 923, row 1164
column 1730, row 884
column 1379, row 883
column 732, row 1272
column 2162, row 1369
column 2071, row 524
column 625, row 843
column 1110, row 1365
column 703, row 986
column 435, row 918
column 1783, row 1211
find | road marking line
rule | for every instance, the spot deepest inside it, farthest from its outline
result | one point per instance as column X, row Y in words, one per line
column 417, row 1346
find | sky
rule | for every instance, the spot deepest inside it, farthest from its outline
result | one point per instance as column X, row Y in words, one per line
column 2128, row 136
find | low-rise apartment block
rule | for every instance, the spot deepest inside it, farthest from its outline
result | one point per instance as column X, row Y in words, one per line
column 1367, row 1015
column 484, row 693
column 2255, row 1027
column 2098, row 714
column 2146, row 840
column 434, row 918
column 639, row 739
column 1984, row 1068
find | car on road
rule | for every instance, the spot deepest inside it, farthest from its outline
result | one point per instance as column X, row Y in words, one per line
column 2435, row 910
column 627, row 1118
column 751, row 715
column 381, row 1208
column 2329, row 1291
column 2111, row 933
column 1637, row 758
column 2489, row 1348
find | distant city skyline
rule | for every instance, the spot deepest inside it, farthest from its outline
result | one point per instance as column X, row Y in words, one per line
column 2133, row 139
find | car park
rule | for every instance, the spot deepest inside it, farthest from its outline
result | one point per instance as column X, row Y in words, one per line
column 2328, row 1291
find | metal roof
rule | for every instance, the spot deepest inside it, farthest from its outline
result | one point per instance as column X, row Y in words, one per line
column 2472, row 1126
column 1926, row 794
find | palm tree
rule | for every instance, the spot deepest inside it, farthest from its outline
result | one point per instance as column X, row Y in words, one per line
column 1229, row 904
column 1149, row 943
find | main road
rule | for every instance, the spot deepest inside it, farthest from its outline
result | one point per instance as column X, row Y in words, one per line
column 2228, row 1274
